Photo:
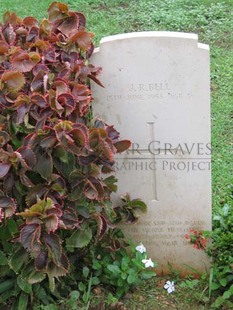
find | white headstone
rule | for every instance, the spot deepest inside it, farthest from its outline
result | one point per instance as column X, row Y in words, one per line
column 157, row 94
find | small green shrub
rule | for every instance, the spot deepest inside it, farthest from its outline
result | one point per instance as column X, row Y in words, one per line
column 220, row 250
column 124, row 268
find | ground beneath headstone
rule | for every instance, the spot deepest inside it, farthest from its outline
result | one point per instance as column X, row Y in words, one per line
column 152, row 296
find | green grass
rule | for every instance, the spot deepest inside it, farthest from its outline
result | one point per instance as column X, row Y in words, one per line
column 212, row 20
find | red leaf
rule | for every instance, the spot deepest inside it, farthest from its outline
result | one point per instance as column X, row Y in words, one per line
column 90, row 191
column 69, row 24
column 26, row 181
column 81, row 92
column 122, row 145
column 60, row 86
column 56, row 11
column 51, row 223
column 28, row 155
column 24, row 62
column 48, row 142
column 67, row 101
column 69, row 220
column 38, row 82
column 107, row 149
column 33, row 34
column 82, row 38
column 12, row 80
column 102, row 225
column 11, row 18
column 29, row 236
column 4, row 138
column 4, row 47
column 39, row 100
column 41, row 261
column 79, row 137
column 94, row 78
column 50, row 55
column 4, row 168
column 21, row 113
column 30, row 21
column 53, row 244
column 8, row 205
column 45, row 28
column 98, row 186
column 82, row 19
column 9, row 34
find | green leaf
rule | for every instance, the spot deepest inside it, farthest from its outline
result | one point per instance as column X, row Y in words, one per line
column 36, row 276
column 18, row 259
column 125, row 263
column 85, row 271
column 218, row 302
column 72, row 301
column 132, row 278
column 114, row 269
column 3, row 259
column 12, row 227
column 6, row 285
column 138, row 263
column 44, row 165
column 80, row 238
column 140, row 206
column 81, row 286
column 41, row 294
column 95, row 281
column 120, row 282
column 96, row 265
column 223, row 281
column 11, row 293
column 124, row 275
column 23, row 301
column 227, row 294
column 4, row 271
column 75, row 295
column 147, row 274
column 215, row 286
column 24, row 285
column 51, row 283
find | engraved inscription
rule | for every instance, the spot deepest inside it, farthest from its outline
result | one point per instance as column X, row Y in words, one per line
column 149, row 87
column 149, row 91
column 164, row 233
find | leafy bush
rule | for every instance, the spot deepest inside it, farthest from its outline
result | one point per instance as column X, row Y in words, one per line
column 54, row 200
column 220, row 250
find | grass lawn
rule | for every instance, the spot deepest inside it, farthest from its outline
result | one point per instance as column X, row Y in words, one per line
column 212, row 20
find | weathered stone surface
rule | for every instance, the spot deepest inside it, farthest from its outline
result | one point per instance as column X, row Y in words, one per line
column 157, row 94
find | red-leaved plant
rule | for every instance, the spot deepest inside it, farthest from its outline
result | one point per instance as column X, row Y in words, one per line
column 52, row 153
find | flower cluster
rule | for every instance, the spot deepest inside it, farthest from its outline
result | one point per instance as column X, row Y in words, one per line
column 197, row 239
column 148, row 262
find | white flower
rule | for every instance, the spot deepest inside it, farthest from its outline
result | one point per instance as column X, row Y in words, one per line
column 169, row 286
column 140, row 248
column 148, row 263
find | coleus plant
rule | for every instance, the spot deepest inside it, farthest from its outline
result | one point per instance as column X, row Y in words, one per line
column 53, row 155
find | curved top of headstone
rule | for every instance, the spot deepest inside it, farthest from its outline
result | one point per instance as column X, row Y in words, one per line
column 154, row 34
